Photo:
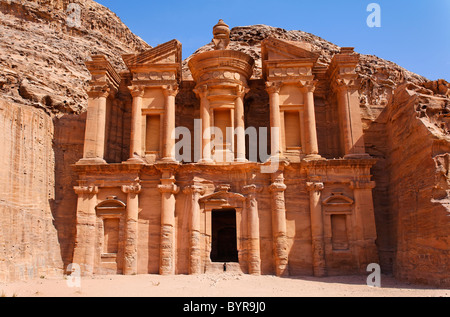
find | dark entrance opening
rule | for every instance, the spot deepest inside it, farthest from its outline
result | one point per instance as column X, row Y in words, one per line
column 224, row 236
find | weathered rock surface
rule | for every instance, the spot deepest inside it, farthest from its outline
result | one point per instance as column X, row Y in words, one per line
column 42, row 75
column 42, row 60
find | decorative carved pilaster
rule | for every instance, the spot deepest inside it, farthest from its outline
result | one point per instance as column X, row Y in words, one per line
column 254, row 253
column 365, row 230
column 131, row 229
column 168, row 190
column 317, row 228
column 277, row 189
column 195, row 254
column 84, row 251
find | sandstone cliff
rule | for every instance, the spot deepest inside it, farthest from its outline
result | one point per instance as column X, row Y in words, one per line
column 42, row 77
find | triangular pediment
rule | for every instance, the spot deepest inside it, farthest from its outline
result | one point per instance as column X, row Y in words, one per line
column 221, row 196
column 277, row 49
column 167, row 53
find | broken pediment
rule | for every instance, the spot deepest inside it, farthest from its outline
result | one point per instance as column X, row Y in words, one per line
column 167, row 53
column 277, row 49
column 222, row 199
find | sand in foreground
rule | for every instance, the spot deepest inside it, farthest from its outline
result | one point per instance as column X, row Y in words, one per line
column 217, row 285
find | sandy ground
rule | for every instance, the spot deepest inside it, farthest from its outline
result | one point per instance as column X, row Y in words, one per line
column 217, row 285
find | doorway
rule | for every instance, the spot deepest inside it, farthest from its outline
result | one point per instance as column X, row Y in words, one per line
column 224, row 236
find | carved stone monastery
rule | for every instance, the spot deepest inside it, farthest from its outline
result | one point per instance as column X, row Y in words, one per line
column 304, row 208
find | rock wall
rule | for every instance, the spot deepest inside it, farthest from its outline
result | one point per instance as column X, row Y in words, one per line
column 43, row 99
column 29, row 247
column 418, row 165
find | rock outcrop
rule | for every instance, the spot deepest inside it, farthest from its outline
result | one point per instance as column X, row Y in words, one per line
column 42, row 60
column 42, row 87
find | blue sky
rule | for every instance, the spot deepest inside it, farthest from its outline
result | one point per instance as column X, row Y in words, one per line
column 414, row 34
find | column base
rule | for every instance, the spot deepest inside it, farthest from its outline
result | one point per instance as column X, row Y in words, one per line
column 205, row 161
column 240, row 160
column 91, row 161
column 168, row 160
column 314, row 157
column 134, row 160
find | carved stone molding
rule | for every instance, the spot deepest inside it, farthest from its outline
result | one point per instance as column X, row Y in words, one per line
column 362, row 185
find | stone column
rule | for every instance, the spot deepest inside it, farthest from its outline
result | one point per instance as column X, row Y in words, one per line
column 317, row 233
column 205, row 115
column 85, row 240
column 170, row 92
column 273, row 89
column 365, row 229
column 136, row 125
column 95, row 133
column 168, row 190
column 240, row 123
column 312, row 147
column 254, row 253
column 277, row 190
column 131, row 230
column 350, row 118
column 195, row 255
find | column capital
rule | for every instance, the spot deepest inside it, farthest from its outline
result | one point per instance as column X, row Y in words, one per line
column 361, row 184
column 137, row 91
column 251, row 189
column 170, row 90
column 277, row 187
column 273, row 87
column 194, row 189
column 82, row 190
column 314, row 186
column 132, row 189
column 168, row 186
column 241, row 91
column 309, row 85
column 201, row 91
column 344, row 84
column 99, row 91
